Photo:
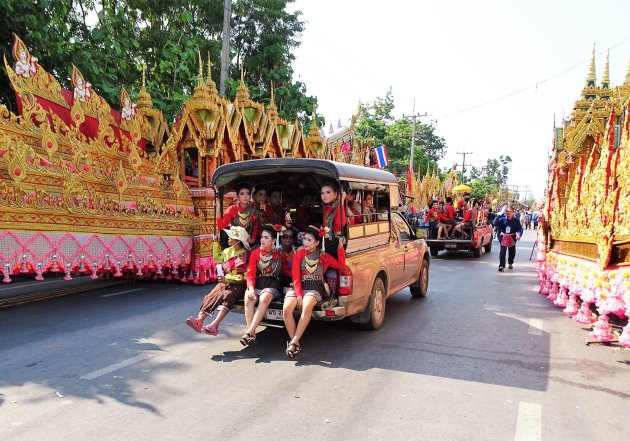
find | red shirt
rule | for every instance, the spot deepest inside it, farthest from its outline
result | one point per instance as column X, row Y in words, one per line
column 467, row 215
column 354, row 216
column 274, row 215
column 338, row 221
column 448, row 214
column 287, row 263
column 254, row 257
column 302, row 217
column 432, row 215
column 325, row 259
column 232, row 212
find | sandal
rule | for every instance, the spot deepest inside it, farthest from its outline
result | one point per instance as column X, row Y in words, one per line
column 210, row 330
column 293, row 349
column 248, row 339
column 194, row 323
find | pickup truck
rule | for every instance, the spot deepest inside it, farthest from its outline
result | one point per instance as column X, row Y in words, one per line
column 480, row 236
column 383, row 253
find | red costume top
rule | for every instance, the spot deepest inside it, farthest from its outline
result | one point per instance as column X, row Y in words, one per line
column 246, row 217
column 432, row 215
column 354, row 215
column 302, row 217
column 287, row 263
column 468, row 215
column 311, row 270
column 334, row 218
column 263, row 264
column 448, row 214
column 274, row 214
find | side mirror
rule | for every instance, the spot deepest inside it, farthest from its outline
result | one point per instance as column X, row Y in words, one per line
column 420, row 234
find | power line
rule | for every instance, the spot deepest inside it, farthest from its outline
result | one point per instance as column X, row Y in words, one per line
column 525, row 89
column 464, row 163
column 413, row 118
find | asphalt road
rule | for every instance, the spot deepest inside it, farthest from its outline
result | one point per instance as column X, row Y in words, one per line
column 483, row 357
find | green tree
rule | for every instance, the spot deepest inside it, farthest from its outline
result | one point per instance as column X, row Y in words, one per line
column 376, row 124
column 491, row 178
column 111, row 40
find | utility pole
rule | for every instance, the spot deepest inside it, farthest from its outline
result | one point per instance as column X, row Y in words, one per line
column 413, row 118
column 464, row 163
column 225, row 51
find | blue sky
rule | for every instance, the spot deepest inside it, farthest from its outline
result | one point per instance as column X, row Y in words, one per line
column 518, row 63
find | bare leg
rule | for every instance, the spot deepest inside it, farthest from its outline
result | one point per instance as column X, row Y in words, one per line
column 201, row 316
column 308, row 303
column 440, row 229
column 290, row 303
column 250, row 305
column 263, row 303
column 221, row 313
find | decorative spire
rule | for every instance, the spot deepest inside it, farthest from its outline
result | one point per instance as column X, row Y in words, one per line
column 606, row 78
column 242, row 93
column 200, row 82
column 314, row 129
column 144, row 99
column 627, row 80
column 273, row 110
column 212, row 86
column 590, row 79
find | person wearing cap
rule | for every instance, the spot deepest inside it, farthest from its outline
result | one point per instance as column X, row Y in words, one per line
column 231, row 267
column 263, row 280
column 309, row 284
column 242, row 214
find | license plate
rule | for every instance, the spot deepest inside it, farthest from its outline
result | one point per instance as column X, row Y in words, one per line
column 274, row 314
column 450, row 245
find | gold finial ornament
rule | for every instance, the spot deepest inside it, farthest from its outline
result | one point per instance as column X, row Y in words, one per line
column 590, row 79
column 606, row 77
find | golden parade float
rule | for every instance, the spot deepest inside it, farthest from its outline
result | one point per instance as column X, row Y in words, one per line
column 87, row 189
column 583, row 260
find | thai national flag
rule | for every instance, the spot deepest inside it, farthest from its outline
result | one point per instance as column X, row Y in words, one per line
column 381, row 156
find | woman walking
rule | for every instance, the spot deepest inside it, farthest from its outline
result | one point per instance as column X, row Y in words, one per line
column 509, row 230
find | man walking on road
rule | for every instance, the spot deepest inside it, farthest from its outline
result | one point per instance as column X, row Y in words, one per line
column 509, row 230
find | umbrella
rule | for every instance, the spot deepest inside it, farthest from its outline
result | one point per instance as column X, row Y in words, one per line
column 461, row 188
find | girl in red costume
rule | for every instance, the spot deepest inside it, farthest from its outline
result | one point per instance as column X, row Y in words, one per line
column 263, row 280
column 309, row 285
column 242, row 214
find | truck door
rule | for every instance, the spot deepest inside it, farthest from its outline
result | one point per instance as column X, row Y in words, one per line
column 409, row 249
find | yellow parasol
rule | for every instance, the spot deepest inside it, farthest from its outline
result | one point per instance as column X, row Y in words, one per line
column 461, row 188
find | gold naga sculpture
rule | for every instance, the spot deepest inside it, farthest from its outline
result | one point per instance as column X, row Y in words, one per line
column 584, row 242
column 90, row 190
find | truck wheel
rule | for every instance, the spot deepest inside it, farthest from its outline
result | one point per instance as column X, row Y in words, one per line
column 477, row 252
column 421, row 286
column 434, row 251
column 376, row 306
column 488, row 246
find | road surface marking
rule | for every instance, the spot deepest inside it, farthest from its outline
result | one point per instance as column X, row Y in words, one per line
column 121, row 292
column 116, row 366
column 535, row 326
column 36, row 283
column 528, row 422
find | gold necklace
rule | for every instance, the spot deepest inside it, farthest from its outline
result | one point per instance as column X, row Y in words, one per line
column 311, row 264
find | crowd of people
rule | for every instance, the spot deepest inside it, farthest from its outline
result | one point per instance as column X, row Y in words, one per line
column 449, row 220
column 277, row 250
